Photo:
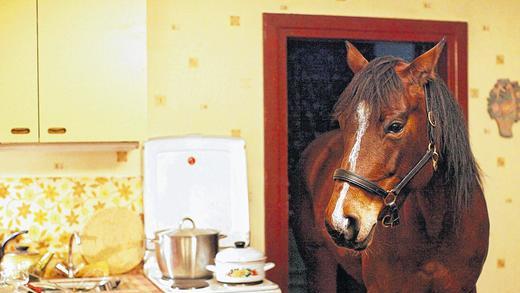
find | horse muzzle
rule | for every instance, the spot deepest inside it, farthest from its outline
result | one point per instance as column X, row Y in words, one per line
column 348, row 237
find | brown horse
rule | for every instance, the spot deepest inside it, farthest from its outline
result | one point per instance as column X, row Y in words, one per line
column 394, row 196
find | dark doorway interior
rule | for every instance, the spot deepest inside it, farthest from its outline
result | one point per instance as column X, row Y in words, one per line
column 316, row 75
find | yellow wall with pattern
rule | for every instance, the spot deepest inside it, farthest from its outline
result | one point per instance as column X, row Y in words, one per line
column 206, row 76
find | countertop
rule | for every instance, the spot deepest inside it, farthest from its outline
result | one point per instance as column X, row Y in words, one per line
column 130, row 283
column 136, row 283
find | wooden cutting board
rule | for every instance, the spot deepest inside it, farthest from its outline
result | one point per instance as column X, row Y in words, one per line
column 116, row 236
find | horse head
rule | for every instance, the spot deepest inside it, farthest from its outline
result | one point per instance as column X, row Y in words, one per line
column 384, row 120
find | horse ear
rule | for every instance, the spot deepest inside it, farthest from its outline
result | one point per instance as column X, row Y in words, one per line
column 355, row 60
column 423, row 67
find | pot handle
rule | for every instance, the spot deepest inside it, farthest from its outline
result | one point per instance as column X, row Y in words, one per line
column 186, row 219
column 268, row 266
column 211, row 268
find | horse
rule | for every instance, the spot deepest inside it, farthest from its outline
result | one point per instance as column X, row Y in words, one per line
column 394, row 196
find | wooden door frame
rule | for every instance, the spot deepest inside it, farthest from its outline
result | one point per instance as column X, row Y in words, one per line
column 276, row 29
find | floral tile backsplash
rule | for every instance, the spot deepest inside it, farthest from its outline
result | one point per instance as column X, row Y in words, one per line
column 52, row 208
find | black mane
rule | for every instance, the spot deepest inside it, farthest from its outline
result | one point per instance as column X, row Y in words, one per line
column 379, row 85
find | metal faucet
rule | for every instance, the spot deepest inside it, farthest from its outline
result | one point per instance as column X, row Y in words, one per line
column 70, row 270
column 9, row 238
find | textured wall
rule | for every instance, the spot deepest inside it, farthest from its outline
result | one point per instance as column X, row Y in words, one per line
column 206, row 76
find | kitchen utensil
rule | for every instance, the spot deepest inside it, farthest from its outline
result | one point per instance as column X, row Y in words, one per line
column 240, row 265
column 116, row 236
column 16, row 277
column 22, row 258
column 185, row 252
column 42, row 263
column 78, row 284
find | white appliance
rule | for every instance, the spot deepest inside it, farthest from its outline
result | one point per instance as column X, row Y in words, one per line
column 204, row 178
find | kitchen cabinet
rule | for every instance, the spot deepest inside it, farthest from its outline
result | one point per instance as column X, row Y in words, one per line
column 91, row 70
column 18, row 71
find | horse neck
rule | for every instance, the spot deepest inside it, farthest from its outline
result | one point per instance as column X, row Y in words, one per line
column 434, row 207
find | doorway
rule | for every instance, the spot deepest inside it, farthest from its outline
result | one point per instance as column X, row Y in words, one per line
column 304, row 72
column 317, row 73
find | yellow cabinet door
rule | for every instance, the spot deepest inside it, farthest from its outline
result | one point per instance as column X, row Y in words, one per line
column 18, row 71
column 92, row 70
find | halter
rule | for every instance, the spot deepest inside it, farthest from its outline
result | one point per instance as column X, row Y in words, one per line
column 389, row 216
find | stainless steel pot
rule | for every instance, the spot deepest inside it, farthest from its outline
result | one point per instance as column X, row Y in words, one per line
column 184, row 253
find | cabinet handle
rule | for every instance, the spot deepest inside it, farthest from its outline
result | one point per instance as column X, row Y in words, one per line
column 57, row 130
column 20, row 130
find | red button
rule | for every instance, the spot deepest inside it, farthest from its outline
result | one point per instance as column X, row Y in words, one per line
column 191, row 160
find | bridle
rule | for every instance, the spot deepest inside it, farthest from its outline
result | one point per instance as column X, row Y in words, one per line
column 389, row 216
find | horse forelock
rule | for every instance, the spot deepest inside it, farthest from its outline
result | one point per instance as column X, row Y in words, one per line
column 379, row 85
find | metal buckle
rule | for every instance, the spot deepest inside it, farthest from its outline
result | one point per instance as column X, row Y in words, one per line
column 393, row 197
column 391, row 219
column 431, row 118
column 386, row 221
column 435, row 160
column 435, row 155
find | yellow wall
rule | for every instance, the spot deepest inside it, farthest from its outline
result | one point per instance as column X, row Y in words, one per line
column 206, row 76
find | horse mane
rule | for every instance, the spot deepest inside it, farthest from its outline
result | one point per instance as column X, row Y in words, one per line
column 379, row 85
column 460, row 172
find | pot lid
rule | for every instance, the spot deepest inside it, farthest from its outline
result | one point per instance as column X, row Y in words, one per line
column 186, row 232
column 239, row 253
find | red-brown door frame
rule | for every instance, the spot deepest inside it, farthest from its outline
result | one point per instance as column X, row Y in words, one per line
column 279, row 27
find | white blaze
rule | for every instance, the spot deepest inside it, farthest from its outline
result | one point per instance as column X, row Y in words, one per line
column 339, row 222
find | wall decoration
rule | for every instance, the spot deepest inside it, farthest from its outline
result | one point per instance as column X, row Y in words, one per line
column 234, row 20
column 501, row 162
column 504, row 105
column 427, row 4
column 501, row 263
column 500, row 59
column 193, row 62
column 474, row 93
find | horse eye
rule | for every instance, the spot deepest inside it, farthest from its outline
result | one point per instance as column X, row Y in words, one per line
column 395, row 127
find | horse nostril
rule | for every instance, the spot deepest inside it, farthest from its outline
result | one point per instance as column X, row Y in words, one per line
column 352, row 229
column 347, row 232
